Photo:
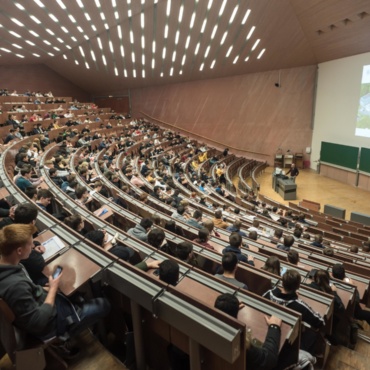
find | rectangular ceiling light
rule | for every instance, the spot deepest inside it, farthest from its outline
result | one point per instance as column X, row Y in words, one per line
column 39, row 3
column 261, row 53
column 153, row 47
column 181, row 13
column 229, row 51
column 213, row 63
column 192, row 20
column 35, row 19
column 168, row 9
column 72, row 18
column 246, row 16
column 16, row 21
column 201, row 67
column 255, row 44
column 251, row 32
column 209, row 4
column 207, row 51
column 222, row 8
column 80, row 4
column 203, row 26
column 233, row 14
column 97, row 3
column 93, row 55
column 177, row 37
column 197, row 48
column 214, row 31
column 61, row 4
column 53, row 17
column 122, row 51
column 142, row 20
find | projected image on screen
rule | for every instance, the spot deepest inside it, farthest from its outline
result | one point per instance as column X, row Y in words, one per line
column 363, row 114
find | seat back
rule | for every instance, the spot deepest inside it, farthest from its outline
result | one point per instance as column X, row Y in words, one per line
column 7, row 333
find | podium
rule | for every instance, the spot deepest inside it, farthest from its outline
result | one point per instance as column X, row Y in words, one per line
column 285, row 186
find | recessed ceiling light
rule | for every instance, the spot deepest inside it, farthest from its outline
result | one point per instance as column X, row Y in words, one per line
column 180, row 73
column 142, row 20
column 76, row 61
column 34, row 33
column 87, row 16
column 80, row 29
column 74, row 39
column 214, row 31
column 46, row 42
column 143, row 73
column 111, row 47
column 131, row 37
column 104, row 60
column 93, row 55
column 233, row 14
column 51, row 54
column 246, row 16
column 171, row 71
column 15, row 34
column 82, row 51
column 65, row 56
column 128, row 2
column 122, row 51
column 39, row 3
column 177, row 37
column 142, row 42
column 134, row 73
column 35, row 19
column 19, row 55
column 53, row 17
column 97, row 2
column 116, row 15
column 213, row 63
column 68, row 47
column 6, row 50
column 36, row 55
column 102, row 15
column 153, row 63
column 209, row 6
column 19, row 6
column 166, row 31
column 55, row 48
column 93, row 27
column 30, row 42
column 197, row 49
column 16, row 21
column 125, row 72
column 164, row 53
column 174, row 56
column 161, row 74
column 201, row 67
column 72, row 18
column 50, row 31
column 61, row 4
column 222, row 8
column 246, row 59
column 192, row 20
column 251, row 32
column 153, row 47
column 80, row 4
column 168, row 9
column 87, row 65
column 143, row 60
column 114, row 4
column 203, row 26
column 60, row 40
column 187, row 42
column 119, row 30
column 235, row 59
column 183, row 60
column 261, row 53
column 255, row 44
column 223, row 38
column 207, row 51
column 100, row 44
column 181, row 12
column 64, row 29
column 116, row 71
column 86, row 37
column 229, row 51
column 133, row 57
column 129, row 13
column 17, row 46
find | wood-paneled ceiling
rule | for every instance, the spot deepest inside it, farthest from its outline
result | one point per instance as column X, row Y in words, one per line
column 105, row 46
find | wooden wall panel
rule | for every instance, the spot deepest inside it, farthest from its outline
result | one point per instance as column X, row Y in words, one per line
column 39, row 77
column 342, row 175
column 118, row 104
column 246, row 112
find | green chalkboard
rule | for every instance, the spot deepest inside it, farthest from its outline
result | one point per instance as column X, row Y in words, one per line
column 365, row 160
column 340, row 155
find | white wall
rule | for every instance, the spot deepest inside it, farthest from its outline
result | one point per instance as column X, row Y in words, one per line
column 338, row 93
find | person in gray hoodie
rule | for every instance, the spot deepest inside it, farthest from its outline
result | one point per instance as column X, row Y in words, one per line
column 140, row 231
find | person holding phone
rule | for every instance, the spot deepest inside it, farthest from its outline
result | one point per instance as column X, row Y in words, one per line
column 41, row 312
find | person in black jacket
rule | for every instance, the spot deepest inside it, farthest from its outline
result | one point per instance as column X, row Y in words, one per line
column 258, row 358
column 288, row 297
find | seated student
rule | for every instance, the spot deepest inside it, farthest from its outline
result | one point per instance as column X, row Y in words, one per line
column 140, row 231
column 235, row 241
column 156, row 238
column 253, row 235
column 82, row 195
column 76, row 222
column 229, row 265
column 184, row 252
column 258, row 358
column 339, row 272
column 37, row 311
column 288, row 297
column 179, row 214
column 44, row 197
column 255, row 226
column 235, row 228
column 318, row 241
column 169, row 272
column 23, row 181
column 272, row 264
column 288, row 242
column 218, row 221
column 203, row 237
column 170, row 225
column 196, row 219
column 293, row 257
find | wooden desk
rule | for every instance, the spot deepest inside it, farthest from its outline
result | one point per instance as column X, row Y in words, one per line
column 106, row 215
column 77, row 270
column 44, row 237
column 3, row 193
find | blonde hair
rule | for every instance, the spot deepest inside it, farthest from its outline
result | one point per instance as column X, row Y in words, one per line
column 15, row 236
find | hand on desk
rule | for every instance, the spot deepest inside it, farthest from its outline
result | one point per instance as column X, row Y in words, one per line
column 273, row 320
column 153, row 264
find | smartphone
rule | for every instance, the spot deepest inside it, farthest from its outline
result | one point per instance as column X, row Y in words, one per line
column 156, row 272
column 57, row 271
